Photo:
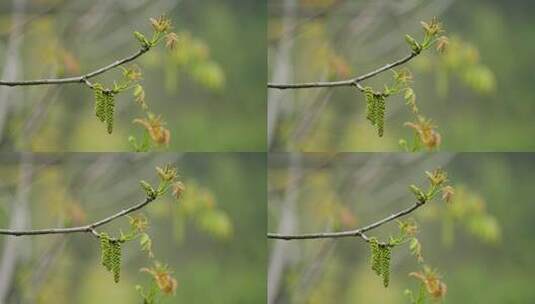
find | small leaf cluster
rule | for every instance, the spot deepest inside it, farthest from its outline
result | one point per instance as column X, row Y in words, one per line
column 426, row 135
column 438, row 182
column 432, row 36
column 430, row 284
column 156, row 132
column 161, row 27
column 168, row 176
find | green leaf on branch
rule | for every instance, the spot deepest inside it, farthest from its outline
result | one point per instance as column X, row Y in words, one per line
column 149, row 190
column 420, row 195
column 141, row 38
column 415, row 46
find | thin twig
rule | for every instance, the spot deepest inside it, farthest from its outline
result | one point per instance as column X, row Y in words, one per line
column 90, row 228
column 350, row 233
column 77, row 79
column 353, row 82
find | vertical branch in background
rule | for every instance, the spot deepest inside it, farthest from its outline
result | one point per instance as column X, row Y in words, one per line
column 279, row 255
column 12, row 60
column 282, row 71
column 19, row 220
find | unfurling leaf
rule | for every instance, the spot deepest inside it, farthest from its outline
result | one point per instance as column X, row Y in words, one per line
column 420, row 195
column 425, row 129
column 146, row 244
column 141, row 38
column 133, row 73
column 434, row 286
column 178, row 189
column 433, row 28
column 437, row 177
column 447, row 193
column 167, row 174
column 155, row 126
column 171, row 40
column 139, row 222
column 442, row 44
column 415, row 46
column 410, row 100
column 416, row 249
column 161, row 24
column 162, row 276
column 149, row 190
column 139, row 95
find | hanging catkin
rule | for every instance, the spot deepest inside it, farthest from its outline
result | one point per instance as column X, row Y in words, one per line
column 111, row 255
column 375, row 109
column 380, row 260
column 104, row 105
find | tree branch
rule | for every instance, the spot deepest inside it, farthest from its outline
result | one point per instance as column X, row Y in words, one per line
column 90, row 228
column 77, row 79
column 350, row 233
column 353, row 82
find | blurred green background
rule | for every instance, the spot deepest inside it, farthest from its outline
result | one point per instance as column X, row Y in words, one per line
column 481, row 243
column 480, row 94
column 213, row 101
column 216, row 253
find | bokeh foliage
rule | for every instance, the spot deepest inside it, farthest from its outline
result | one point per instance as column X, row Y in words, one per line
column 480, row 242
column 478, row 93
column 209, row 238
column 210, row 91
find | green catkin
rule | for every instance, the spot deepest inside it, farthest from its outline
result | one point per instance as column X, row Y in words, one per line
column 109, row 110
column 370, row 105
column 105, row 247
column 380, row 260
column 375, row 109
column 100, row 102
column 380, row 112
column 104, row 105
column 116, row 261
column 111, row 255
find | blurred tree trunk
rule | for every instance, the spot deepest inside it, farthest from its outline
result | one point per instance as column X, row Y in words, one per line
column 12, row 60
column 19, row 219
